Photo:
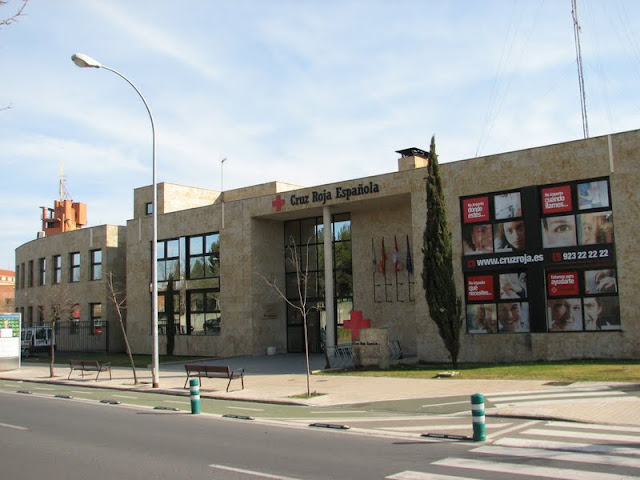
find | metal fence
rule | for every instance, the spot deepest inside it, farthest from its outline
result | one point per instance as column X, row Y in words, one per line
column 82, row 336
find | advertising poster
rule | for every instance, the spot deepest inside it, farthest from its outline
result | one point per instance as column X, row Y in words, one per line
column 558, row 240
column 9, row 341
column 476, row 210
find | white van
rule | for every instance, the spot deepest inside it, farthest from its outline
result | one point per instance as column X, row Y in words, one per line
column 35, row 339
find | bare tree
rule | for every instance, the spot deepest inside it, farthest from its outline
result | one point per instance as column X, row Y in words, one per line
column 12, row 18
column 302, row 278
column 117, row 295
column 59, row 303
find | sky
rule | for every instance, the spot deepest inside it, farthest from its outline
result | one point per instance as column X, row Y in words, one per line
column 305, row 92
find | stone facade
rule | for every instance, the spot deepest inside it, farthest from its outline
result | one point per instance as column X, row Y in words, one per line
column 33, row 297
column 249, row 224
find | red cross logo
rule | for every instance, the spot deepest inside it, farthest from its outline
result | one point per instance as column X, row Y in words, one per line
column 356, row 323
column 278, row 203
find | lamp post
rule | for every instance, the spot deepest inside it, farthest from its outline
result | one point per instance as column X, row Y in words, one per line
column 85, row 61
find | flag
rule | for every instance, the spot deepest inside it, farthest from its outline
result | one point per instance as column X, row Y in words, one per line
column 383, row 259
column 409, row 260
column 396, row 256
column 373, row 256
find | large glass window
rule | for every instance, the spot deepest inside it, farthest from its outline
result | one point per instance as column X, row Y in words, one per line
column 57, row 269
column 203, row 252
column 74, row 267
column 203, row 312
column 96, row 264
column 168, row 260
column 308, row 236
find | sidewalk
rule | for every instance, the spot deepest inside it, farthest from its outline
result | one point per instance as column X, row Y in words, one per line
column 280, row 378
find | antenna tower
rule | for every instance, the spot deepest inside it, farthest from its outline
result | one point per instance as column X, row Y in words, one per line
column 576, row 37
column 63, row 193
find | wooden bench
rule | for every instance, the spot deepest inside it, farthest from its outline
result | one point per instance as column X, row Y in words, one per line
column 89, row 366
column 213, row 371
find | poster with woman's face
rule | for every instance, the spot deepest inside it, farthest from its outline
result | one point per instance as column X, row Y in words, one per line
column 594, row 228
column 559, row 231
column 509, row 236
column 564, row 315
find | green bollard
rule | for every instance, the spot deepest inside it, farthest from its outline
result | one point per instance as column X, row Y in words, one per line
column 195, row 395
column 477, row 412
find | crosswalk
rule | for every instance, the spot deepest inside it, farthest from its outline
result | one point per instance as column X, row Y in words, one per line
column 562, row 395
column 557, row 450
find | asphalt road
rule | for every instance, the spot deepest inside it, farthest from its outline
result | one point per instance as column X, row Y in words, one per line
column 42, row 436
column 54, row 438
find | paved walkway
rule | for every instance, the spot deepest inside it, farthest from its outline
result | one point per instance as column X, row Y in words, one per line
column 282, row 379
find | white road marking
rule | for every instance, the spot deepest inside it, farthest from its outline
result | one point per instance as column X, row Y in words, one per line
column 562, row 456
column 511, row 429
column 586, row 435
column 15, row 427
column 245, row 408
column 409, row 475
column 566, row 446
column 591, row 426
column 467, row 402
column 124, row 396
column 556, row 395
column 337, row 412
column 434, row 427
column 531, row 470
column 251, row 472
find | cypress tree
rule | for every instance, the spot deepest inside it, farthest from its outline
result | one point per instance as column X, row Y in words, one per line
column 437, row 275
column 169, row 309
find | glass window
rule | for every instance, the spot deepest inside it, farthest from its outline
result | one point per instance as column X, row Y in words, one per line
column 42, row 271
column 148, row 208
column 96, row 264
column 74, row 267
column 57, row 269
column 30, row 274
column 168, row 260
column 95, row 310
column 204, row 256
column 203, row 314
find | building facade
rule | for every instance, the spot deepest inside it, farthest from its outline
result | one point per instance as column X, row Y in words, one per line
column 543, row 270
column 71, row 271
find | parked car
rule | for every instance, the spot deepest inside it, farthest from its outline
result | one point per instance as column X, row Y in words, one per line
column 35, row 339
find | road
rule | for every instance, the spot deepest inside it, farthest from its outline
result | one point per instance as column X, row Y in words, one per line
column 42, row 436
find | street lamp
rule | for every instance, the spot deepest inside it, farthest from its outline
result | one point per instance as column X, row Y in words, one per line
column 222, row 187
column 85, row 61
